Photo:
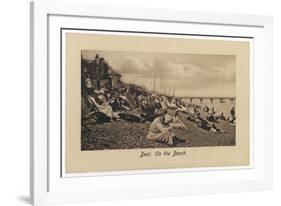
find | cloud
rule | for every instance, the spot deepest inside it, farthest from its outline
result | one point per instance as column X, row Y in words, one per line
column 189, row 73
column 183, row 76
column 134, row 66
column 164, row 68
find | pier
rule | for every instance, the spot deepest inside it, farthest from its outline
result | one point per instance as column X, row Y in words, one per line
column 211, row 99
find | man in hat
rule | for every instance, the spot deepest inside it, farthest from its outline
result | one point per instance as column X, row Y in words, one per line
column 160, row 130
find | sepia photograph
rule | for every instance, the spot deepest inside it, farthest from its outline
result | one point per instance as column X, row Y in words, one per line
column 137, row 100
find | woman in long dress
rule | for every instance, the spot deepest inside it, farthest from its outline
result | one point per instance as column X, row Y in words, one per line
column 160, row 130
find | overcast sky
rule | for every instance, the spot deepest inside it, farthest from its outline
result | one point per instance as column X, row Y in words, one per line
column 188, row 74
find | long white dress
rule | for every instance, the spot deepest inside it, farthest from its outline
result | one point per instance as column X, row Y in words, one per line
column 160, row 133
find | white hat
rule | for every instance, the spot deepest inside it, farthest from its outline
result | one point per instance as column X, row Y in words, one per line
column 168, row 117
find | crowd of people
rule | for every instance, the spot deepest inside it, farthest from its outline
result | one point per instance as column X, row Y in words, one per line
column 117, row 104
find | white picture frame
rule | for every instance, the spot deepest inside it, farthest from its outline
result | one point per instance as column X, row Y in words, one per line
column 48, row 186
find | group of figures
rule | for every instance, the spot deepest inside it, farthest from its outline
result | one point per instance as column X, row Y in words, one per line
column 103, row 105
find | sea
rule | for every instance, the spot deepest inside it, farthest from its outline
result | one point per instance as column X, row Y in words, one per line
column 220, row 107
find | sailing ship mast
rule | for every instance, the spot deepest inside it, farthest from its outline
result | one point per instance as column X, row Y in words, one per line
column 154, row 82
column 174, row 91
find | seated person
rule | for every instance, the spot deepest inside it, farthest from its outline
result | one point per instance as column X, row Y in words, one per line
column 157, row 103
column 163, row 105
column 172, row 105
column 222, row 117
column 144, row 104
column 124, row 104
column 192, row 116
column 123, row 101
column 160, row 130
column 177, row 123
column 115, row 104
column 150, row 112
column 182, row 108
column 210, row 117
column 202, row 123
column 104, row 107
column 206, row 109
column 195, row 110
column 231, row 119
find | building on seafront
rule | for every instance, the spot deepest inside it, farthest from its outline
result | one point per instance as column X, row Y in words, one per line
column 101, row 74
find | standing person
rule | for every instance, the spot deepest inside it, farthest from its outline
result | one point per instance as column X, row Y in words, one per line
column 232, row 117
column 232, row 112
column 89, row 85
